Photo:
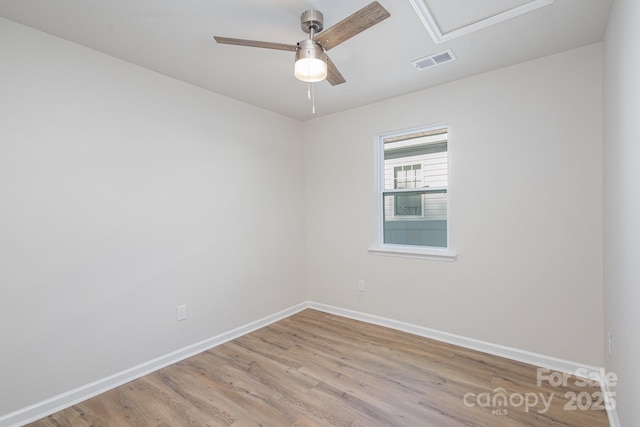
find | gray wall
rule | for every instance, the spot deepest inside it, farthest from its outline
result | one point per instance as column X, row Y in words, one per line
column 622, row 204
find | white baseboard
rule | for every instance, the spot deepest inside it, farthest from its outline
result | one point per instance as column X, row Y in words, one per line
column 486, row 347
column 64, row 400
column 612, row 412
column 72, row 397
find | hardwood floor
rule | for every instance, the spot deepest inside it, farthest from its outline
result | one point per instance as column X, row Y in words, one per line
column 317, row 369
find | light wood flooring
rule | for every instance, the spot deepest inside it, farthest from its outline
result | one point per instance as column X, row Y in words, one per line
column 317, row 369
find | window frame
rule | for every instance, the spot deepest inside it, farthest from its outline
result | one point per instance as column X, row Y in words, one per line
column 407, row 251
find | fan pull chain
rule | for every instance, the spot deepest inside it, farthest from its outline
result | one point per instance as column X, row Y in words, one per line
column 312, row 96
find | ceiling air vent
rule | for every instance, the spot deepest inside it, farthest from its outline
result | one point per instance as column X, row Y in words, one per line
column 433, row 60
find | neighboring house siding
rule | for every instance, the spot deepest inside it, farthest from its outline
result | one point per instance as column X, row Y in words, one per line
column 434, row 172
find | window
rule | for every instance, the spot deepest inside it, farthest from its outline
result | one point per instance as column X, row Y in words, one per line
column 413, row 195
column 408, row 176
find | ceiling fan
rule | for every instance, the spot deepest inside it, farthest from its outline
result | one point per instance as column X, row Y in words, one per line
column 312, row 63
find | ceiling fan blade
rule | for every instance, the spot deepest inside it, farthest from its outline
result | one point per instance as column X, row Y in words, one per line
column 333, row 75
column 352, row 25
column 256, row 43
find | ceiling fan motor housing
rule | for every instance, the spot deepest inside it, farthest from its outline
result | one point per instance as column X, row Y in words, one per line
column 311, row 19
column 310, row 49
column 311, row 62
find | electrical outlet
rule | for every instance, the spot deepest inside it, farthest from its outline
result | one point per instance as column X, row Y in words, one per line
column 361, row 287
column 181, row 312
column 610, row 344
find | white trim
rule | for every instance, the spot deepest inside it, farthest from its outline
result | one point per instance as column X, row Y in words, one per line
column 420, row 252
column 612, row 409
column 425, row 15
column 540, row 360
column 64, row 400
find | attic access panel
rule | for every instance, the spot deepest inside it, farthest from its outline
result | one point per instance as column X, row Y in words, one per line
column 449, row 19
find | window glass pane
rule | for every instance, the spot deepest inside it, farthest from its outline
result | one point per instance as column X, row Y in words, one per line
column 408, row 204
column 417, row 162
column 419, row 224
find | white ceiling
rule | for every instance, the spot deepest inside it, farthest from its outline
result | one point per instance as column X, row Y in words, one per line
column 175, row 38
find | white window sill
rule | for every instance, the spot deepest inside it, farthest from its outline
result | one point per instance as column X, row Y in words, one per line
column 436, row 254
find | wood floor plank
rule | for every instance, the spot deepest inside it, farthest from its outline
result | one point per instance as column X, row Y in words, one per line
column 315, row 369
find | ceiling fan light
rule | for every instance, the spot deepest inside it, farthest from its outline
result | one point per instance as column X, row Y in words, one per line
column 311, row 62
column 311, row 70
